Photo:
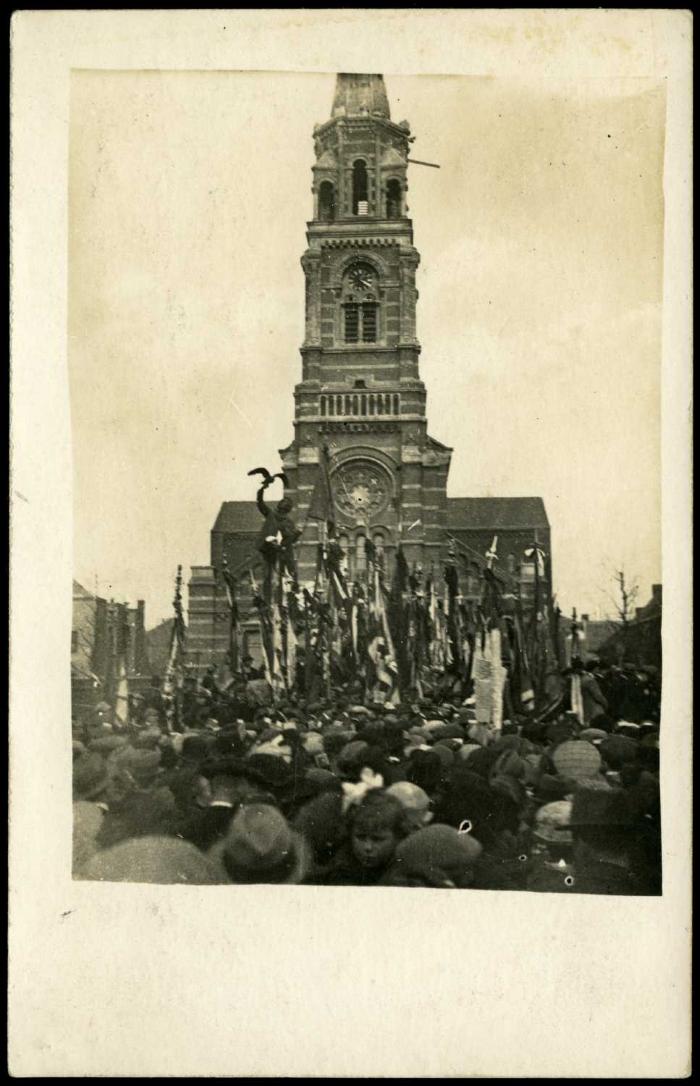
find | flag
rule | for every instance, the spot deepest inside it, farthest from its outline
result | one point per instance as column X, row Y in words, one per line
column 265, row 628
column 234, row 646
column 121, row 709
column 321, row 507
column 177, row 646
column 399, row 622
column 380, row 651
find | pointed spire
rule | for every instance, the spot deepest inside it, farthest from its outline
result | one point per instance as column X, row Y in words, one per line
column 360, row 95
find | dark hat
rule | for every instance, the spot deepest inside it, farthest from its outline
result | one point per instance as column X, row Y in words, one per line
column 143, row 765
column 600, row 807
column 445, row 755
column 551, row 788
column 352, row 754
column 322, row 780
column 560, row 731
column 90, row 775
column 593, row 735
column 617, row 750
column 270, row 771
column 194, row 747
column 223, row 766
column 449, row 731
column 107, row 744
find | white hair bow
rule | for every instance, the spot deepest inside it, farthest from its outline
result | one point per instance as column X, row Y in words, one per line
column 355, row 793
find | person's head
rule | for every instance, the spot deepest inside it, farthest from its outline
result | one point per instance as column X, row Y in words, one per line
column 285, row 506
column 377, row 826
column 426, row 770
column 142, row 767
column 260, row 847
column 577, row 760
column 415, row 802
column 436, row 856
column 91, row 777
column 602, row 823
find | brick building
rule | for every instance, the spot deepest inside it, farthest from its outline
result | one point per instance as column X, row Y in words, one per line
column 361, row 393
column 102, row 632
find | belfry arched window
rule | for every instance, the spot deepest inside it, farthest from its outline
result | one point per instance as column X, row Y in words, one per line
column 360, row 197
column 360, row 305
column 393, row 199
column 326, row 201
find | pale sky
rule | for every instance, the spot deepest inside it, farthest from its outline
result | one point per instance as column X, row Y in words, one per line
column 539, row 313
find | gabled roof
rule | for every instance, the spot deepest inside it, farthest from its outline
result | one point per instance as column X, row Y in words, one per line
column 496, row 513
column 238, row 517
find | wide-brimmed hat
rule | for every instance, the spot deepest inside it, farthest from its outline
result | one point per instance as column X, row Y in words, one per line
column 142, row 765
column 90, row 775
column 619, row 750
column 552, row 822
column 593, row 735
column 440, row 853
column 601, row 807
column 260, row 847
column 576, row 760
column 154, row 860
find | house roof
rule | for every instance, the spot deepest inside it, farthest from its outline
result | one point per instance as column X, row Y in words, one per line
column 476, row 513
column 238, row 517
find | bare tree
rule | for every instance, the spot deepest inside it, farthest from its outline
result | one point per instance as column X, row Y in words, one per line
column 627, row 592
column 624, row 602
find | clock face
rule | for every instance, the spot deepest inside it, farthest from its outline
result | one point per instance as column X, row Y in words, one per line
column 361, row 489
column 361, row 276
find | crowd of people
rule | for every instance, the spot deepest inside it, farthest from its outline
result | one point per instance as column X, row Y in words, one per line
column 339, row 792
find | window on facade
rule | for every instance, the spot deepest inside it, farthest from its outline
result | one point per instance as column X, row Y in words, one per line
column 378, row 540
column 393, row 199
column 323, row 405
column 360, row 322
column 326, row 201
column 359, row 188
column 510, row 563
column 360, row 553
column 352, row 322
column 74, row 641
column 473, row 584
column 527, row 580
column 369, row 322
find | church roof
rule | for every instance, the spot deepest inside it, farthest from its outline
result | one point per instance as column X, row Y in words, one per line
column 496, row 513
column 357, row 95
column 465, row 513
column 238, row 517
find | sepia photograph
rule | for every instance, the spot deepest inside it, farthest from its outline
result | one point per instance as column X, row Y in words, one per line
column 350, row 543
column 353, row 351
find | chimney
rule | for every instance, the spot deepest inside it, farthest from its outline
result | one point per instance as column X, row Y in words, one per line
column 584, row 618
column 656, row 593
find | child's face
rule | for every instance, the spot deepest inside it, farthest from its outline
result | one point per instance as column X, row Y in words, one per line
column 373, row 845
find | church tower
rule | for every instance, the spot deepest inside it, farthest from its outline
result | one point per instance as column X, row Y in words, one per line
column 360, row 392
column 361, row 395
